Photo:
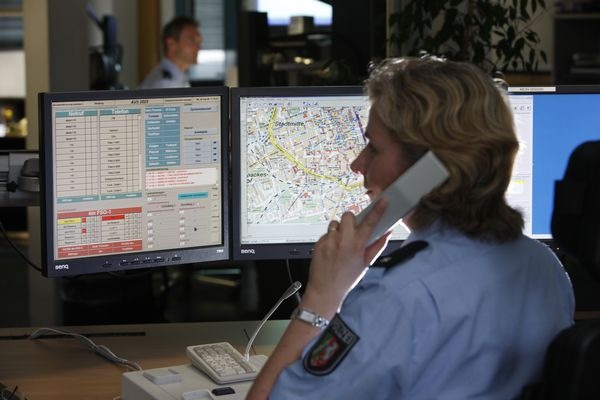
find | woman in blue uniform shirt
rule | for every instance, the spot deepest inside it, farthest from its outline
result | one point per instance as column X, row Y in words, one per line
column 467, row 309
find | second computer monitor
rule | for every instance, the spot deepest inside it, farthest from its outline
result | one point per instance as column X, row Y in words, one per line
column 291, row 155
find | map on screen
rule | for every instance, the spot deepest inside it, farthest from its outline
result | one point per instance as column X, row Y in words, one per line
column 311, row 149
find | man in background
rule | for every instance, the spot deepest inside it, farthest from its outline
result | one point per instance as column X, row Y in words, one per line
column 181, row 40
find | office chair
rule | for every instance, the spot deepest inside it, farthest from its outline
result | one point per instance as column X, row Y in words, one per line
column 572, row 365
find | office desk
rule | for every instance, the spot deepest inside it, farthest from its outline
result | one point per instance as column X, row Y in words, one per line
column 63, row 368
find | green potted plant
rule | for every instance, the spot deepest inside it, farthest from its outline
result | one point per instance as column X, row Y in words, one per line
column 494, row 34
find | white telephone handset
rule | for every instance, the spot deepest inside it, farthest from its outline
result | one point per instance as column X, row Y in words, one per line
column 405, row 193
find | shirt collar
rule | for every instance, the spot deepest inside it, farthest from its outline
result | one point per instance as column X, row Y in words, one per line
column 170, row 66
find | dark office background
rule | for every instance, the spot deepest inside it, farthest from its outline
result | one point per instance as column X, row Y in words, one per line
column 241, row 290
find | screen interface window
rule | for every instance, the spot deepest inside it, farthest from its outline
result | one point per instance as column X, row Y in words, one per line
column 550, row 125
column 295, row 165
column 519, row 192
column 136, row 175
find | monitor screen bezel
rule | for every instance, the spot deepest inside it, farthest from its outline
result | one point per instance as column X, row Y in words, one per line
column 145, row 259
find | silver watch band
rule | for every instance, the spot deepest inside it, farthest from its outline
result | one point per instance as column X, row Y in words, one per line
column 310, row 317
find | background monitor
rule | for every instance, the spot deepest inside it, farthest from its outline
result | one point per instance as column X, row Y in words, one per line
column 551, row 122
column 291, row 155
column 280, row 13
column 133, row 179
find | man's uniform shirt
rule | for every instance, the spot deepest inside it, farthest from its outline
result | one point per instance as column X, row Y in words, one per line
column 165, row 75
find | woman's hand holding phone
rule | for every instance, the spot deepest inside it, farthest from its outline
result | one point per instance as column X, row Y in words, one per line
column 340, row 259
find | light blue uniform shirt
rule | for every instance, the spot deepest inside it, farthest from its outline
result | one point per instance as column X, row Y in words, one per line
column 165, row 75
column 461, row 320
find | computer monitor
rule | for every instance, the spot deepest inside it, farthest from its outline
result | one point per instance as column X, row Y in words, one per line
column 291, row 154
column 280, row 13
column 133, row 179
column 551, row 122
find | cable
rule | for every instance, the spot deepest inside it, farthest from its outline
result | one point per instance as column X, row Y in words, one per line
column 99, row 349
column 289, row 272
column 3, row 231
column 289, row 292
column 248, row 339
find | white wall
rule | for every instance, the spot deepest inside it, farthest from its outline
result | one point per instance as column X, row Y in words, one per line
column 12, row 69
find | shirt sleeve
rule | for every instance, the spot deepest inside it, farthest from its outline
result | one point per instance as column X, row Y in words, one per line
column 379, row 363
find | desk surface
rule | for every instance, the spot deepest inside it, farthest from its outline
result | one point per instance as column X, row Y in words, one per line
column 63, row 368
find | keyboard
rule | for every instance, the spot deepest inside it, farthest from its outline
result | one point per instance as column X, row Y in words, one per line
column 223, row 363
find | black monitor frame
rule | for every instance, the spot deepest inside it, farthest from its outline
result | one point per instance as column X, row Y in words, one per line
column 147, row 258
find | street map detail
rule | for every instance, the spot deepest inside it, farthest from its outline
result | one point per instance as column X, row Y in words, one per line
column 298, row 160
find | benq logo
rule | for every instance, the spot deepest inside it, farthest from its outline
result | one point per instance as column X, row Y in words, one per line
column 61, row 266
column 247, row 251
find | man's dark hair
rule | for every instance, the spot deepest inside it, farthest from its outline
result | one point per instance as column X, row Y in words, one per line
column 174, row 27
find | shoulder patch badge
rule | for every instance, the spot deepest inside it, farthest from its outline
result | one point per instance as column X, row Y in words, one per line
column 330, row 349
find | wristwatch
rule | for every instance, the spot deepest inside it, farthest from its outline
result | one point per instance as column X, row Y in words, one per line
column 310, row 317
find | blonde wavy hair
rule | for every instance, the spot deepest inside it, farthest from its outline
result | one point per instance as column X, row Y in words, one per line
column 455, row 110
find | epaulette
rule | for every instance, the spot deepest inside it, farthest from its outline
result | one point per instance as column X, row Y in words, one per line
column 401, row 255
